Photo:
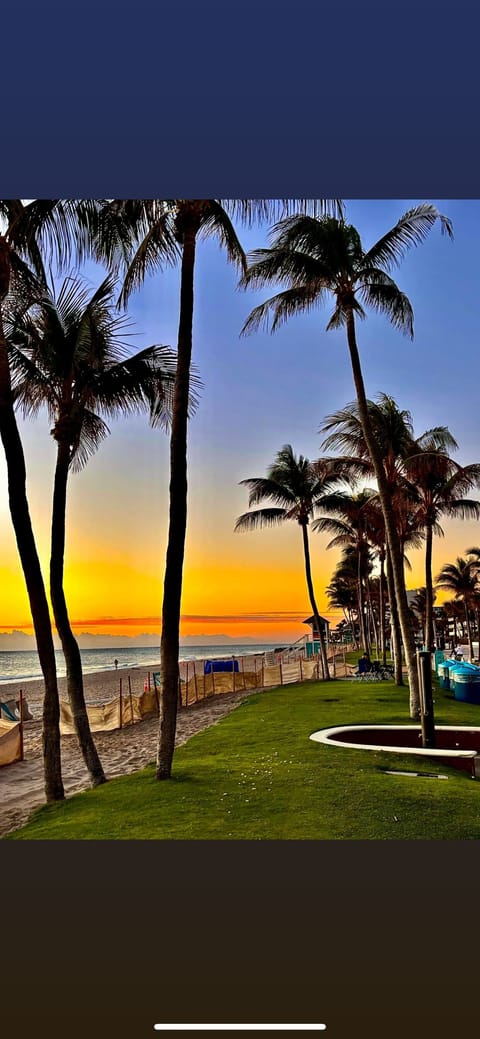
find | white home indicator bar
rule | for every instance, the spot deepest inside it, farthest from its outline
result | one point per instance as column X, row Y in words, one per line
column 239, row 1028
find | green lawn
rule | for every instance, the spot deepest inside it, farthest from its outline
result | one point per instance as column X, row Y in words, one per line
column 256, row 775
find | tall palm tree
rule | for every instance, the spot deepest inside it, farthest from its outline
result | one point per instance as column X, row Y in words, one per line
column 59, row 227
column 439, row 485
column 145, row 237
column 297, row 488
column 318, row 258
column 461, row 579
column 67, row 353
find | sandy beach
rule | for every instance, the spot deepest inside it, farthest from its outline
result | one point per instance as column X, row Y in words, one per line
column 121, row 752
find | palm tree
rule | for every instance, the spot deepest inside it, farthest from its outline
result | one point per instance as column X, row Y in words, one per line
column 26, row 229
column 317, row 258
column 66, row 353
column 454, row 610
column 473, row 556
column 393, row 431
column 439, row 486
column 146, row 236
column 376, row 537
column 347, row 520
column 297, row 488
column 342, row 594
column 461, row 579
column 419, row 607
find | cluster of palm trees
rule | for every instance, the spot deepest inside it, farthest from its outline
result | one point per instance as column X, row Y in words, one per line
column 462, row 580
column 424, row 484
column 63, row 349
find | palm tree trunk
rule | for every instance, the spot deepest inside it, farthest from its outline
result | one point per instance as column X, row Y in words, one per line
column 172, row 587
column 389, row 517
column 361, row 606
column 352, row 627
column 394, row 624
column 354, row 630
column 313, row 604
column 22, row 526
column 382, row 608
column 373, row 629
column 70, row 648
column 428, row 588
column 469, row 627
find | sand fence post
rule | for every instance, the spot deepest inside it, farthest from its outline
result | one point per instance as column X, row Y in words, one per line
column 233, row 674
column 186, row 687
column 121, row 704
column 195, row 680
column 20, row 700
column 281, row 672
column 130, row 697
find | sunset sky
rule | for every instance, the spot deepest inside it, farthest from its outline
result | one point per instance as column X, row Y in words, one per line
column 258, row 393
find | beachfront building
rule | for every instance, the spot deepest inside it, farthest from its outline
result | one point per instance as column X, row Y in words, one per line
column 312, row 641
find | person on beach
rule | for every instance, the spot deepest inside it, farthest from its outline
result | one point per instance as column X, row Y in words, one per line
column 116, row 664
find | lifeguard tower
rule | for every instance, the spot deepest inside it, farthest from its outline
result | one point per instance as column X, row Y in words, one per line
column 312, row 641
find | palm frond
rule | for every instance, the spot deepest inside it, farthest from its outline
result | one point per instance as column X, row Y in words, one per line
column 462, row 508
column 338, row 318
column 216, row 221
column 387, row 299
column 156, row 248
column 439, row 438
column 92, row 431
column 291, row 266
column 283, row 306
column 251, row 211
column 260, row 518
column 411, row 230
column 329, row 525
column 55, row 228
column 262, row 489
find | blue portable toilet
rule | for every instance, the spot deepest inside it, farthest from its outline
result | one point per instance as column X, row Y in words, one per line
column 444, row 673
column 439, row 658
column 465, row 682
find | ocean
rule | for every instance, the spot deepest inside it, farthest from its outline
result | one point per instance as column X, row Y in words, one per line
column 24, row 665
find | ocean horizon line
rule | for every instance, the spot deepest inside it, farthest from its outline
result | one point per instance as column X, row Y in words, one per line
column 24, row 666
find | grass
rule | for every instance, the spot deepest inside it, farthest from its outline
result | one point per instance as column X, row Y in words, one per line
column 256, row 775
